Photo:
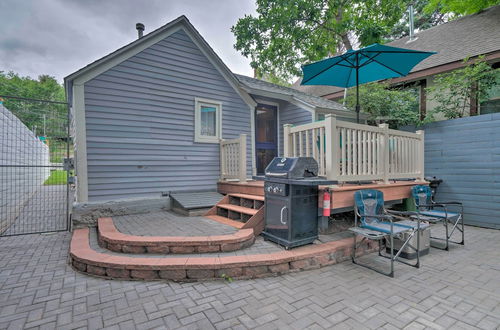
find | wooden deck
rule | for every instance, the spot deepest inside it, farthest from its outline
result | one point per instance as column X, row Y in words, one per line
column 342, row 196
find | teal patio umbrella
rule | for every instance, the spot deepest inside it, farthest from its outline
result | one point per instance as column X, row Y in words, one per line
column 355, row 67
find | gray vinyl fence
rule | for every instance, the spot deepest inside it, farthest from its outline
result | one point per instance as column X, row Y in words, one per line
column 20, row 150
column 465, row 153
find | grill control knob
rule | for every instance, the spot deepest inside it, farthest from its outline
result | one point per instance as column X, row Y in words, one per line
column 275, row 189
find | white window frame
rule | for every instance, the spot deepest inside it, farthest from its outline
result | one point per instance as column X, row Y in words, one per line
column 317, row 113
column 198, row 103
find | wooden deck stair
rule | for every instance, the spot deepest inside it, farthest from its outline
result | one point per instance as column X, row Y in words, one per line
column 242, row 211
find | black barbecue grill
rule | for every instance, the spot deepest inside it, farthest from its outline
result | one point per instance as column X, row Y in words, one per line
column 291, row 194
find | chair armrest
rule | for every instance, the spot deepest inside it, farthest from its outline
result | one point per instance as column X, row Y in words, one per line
column 403, row 212
column 432, row 205
column 450, row 203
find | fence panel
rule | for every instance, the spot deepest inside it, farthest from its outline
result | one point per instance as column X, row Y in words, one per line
column 465, row 153
column 34, row 142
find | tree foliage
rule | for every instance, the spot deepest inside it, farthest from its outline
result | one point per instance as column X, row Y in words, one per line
column 288, row 33
column 398, row 107
column 459, row 7
column 44, row 88
column 43, row 118
column 453, row 91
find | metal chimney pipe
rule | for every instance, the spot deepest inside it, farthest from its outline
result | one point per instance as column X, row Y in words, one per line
column 140, row 29
column 412, row 27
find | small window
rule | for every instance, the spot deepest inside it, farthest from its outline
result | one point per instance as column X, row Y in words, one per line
column 492, row 103
column 320, row 116
column 207, row 121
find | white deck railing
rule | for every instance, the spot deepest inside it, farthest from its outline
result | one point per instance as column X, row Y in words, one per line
column 351, row 152
column 233, row 158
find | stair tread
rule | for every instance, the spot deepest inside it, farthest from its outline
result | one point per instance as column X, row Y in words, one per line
column 226, row 221
column 247, row 196
column 237, row 208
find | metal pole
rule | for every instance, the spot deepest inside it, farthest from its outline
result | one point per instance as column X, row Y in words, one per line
column 411, row 19
column 357, row 89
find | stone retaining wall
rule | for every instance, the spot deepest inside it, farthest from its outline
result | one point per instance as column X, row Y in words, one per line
column 86, row 260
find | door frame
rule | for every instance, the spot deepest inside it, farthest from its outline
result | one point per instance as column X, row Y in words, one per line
column 273, row 104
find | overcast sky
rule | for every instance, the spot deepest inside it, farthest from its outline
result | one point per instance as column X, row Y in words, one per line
column 58, row 37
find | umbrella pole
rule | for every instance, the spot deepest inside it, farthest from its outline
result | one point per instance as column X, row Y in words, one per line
column 358, row 108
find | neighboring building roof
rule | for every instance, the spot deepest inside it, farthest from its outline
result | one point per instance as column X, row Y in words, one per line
column 468, row 36
column 453, row 41
column 264, row 88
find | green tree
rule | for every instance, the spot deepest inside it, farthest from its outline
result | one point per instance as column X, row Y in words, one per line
column 288, row 33
column 459, row 7
column 397, row 107
column 44, row 88
column 43, row 118
column 454, row 91
column 423, row 19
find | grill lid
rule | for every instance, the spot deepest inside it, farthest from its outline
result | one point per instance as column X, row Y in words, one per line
column 292, row 168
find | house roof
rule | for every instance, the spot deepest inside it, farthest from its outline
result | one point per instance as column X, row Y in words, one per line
column 453, row 41
column 243, row 84
column 257, row 86
column 95, row 68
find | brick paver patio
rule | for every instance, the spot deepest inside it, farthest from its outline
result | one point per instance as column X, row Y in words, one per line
column 459, row 289
column 168, row 223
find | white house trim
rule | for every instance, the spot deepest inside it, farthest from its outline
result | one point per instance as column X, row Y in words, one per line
column 78, row 106
column 198, row 102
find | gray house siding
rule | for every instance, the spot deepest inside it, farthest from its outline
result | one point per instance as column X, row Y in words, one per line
column 292, row 114
column 140, row 123
column 465, row 153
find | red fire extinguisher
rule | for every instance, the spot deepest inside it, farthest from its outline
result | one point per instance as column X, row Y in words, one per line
column 326, row 203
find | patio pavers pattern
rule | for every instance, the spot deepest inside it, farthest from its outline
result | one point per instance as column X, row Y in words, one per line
column 456, row 289
column 167, row 223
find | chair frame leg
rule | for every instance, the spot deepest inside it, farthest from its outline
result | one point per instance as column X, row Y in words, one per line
column 392, row 257
column 459, row 220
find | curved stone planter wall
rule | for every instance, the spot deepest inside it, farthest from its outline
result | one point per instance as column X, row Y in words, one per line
column 86, row 260
column 110, row 238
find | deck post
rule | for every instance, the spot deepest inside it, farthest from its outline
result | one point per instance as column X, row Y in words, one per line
column 421, row 159
column 385, row 152
column 332, row 147
column 243, row 159
column 287, row 140
column 222, row 159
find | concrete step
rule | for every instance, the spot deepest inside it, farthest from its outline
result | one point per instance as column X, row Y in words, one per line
column 112, row 239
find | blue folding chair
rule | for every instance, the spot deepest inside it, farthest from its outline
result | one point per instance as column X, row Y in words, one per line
column 373, row 222
column 435, row 212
